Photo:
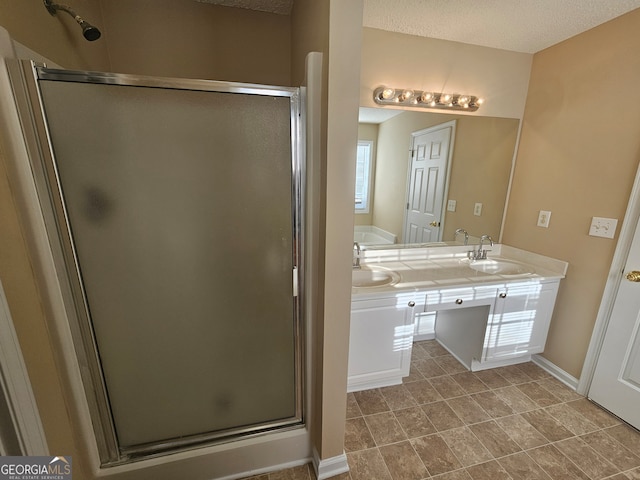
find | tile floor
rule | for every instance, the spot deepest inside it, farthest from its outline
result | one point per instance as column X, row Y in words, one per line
column 447, row 423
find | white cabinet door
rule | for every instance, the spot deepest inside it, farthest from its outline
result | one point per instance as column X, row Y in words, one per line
column 520, row 320
column 381, row 337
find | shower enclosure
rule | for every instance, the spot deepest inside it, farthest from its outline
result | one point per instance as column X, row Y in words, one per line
column 174, row 212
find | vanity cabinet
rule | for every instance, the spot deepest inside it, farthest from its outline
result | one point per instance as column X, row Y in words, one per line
column 493, row 325
column 520, row 320
column 380, row 341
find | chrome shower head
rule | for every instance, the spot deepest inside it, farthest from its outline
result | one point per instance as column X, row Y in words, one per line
column 89, row 32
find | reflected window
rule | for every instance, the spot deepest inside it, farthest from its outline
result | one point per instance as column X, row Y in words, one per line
column 364, row 168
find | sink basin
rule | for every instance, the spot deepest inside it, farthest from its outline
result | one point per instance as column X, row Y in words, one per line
column 373, row 277
column 500, row 267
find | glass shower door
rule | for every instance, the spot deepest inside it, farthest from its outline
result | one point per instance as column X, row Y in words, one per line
column 180, row 205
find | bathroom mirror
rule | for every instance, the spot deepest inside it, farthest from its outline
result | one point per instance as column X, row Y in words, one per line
column 473, row 182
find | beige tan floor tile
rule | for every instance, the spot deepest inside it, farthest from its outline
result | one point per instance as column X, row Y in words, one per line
column 557, row 466
column 533, row 371
column 435, row 454
column 414, row 422
column 466, row 446
column 433, row 348
column 492, row 379
column 521, row 432
column 516, row 400
column 571, row 419
column 469, row 382
column 353, row 410
column 398, row 397
column 403, row 462
column 521, row 466
column 535, row 392
column 455, row 475
column 429, row 368
column 446, row 386
column 559, row 389
column 593, row 413
column 594, row 465
column 423, row 392
column 357, row 435
column 513, row 374
column 371, row 401
column 495, row 439
column 633, row 474
column 468, row 410
column 547, row 425
column 492, row 404
column 612, row 450
column 491, row 470
column 450, row 365
column 627, row 436
column 441, row 416
column 367, row 465
column 385, row 428
column 295, row 473
column 414, row 374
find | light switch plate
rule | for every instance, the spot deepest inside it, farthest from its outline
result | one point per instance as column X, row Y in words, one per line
column 603, row 227
column 451, row 206
column 477, row 209
column 543, row 218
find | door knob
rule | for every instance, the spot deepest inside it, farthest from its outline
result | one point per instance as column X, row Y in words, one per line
column 435, row 224
column 633, row 276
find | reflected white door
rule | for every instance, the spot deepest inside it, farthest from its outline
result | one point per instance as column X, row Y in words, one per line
column 616, row 383
column 427, row 180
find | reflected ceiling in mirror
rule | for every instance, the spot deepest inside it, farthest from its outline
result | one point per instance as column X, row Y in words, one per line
column 473, row 182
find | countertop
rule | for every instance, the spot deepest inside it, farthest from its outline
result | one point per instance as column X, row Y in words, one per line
column 423, row 269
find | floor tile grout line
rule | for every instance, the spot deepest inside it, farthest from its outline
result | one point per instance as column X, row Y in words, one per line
column 552, row 394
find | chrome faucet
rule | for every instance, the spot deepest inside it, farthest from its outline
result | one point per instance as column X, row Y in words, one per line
column 356, row 258
column 481, row 253
column 466, row 235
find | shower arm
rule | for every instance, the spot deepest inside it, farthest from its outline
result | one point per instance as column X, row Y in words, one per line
column 90, row 32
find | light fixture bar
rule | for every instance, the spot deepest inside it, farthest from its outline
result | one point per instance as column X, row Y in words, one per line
column 384, row 95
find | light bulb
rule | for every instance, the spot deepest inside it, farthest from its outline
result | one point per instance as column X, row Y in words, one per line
column 480, row 101
column 426, row 97
column 387, row 93
column 446, row 97
column 406, row 95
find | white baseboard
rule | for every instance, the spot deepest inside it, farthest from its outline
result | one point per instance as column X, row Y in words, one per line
column 564, row 377
column 329, row 467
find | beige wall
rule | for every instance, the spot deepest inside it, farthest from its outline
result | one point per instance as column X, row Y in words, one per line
column 197, row 40
column 407, row 61
column 342, row 134
column 483, row 153
column 58, row 38
column 578, row 156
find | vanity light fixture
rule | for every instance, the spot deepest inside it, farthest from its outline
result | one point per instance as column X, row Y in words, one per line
column 424, row 99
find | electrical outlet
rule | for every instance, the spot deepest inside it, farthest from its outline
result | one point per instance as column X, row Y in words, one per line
column 451, row 206
column 603, row 227
column 477, row 209
column 543, row 218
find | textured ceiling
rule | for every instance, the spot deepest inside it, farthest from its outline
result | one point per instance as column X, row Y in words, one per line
column 281, row 7
column 526, row 26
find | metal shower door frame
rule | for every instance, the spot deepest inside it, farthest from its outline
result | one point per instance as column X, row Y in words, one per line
column 25, row 76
